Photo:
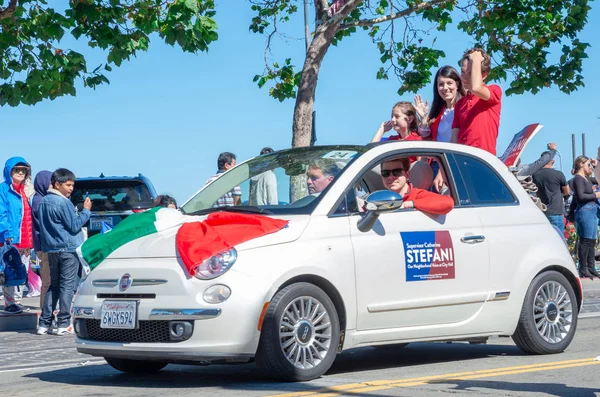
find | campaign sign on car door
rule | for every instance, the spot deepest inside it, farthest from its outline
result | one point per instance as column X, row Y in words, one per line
column 428, row 255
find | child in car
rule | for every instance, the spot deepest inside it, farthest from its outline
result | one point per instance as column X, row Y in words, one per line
column 404, row 122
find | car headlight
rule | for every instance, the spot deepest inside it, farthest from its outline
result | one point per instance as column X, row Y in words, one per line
column 216, row 265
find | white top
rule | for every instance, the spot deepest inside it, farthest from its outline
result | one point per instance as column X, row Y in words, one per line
column 444, row 133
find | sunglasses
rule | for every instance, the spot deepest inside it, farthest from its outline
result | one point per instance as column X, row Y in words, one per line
column 395, row 172
column 24, row 170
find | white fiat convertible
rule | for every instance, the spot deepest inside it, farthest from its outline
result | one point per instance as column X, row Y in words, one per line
column 352, row 268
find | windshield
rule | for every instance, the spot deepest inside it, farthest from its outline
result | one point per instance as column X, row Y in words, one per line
column 285, row 182
column 112, row 195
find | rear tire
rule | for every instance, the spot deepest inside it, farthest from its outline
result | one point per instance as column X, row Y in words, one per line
column 548, row 318
column 135, row 366
column 300, row 334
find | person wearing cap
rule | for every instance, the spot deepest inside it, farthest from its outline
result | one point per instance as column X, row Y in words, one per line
column 16, row 222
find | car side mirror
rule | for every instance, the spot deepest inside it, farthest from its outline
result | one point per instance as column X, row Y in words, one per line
column 376, row 203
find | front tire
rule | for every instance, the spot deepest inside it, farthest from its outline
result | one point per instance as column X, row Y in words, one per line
column 300, row 334
column 549, row 315
column 135, row 366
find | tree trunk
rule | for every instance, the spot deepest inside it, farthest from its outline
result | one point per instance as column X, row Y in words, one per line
column 303, row 110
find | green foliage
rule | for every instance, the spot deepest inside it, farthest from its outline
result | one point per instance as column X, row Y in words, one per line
column 525, row 36
column 533, row 43
column 286, row 80
column 35, row 66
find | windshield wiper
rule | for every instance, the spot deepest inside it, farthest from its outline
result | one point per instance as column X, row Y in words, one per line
column 251, row 209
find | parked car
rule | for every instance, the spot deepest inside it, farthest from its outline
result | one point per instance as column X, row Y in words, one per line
column 351, row 269
column 113, row 198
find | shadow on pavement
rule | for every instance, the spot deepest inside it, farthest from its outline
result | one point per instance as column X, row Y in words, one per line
column 248, row 376
column 551, row 389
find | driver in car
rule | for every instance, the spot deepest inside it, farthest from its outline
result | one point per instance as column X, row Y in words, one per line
column 395, row 175
column 320, row 174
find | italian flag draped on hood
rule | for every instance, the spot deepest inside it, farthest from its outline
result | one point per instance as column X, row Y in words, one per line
column 196, row 240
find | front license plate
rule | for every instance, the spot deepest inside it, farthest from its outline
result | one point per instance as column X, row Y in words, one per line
column 96, row 223
column 118, row 314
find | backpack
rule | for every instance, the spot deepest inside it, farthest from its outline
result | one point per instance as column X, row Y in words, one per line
column 15, row 272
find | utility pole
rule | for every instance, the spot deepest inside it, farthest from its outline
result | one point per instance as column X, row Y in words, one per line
column 306, row 31
column 583, row 144
column 313, row 129
column 573, row 147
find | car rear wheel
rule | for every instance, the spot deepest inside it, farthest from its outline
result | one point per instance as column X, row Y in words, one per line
column 300, row 334
column 549, row 315
column 135, row 366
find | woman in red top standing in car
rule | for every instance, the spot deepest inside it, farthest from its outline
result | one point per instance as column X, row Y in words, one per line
column 395, row 176
column 404, row 122
column 448, row 89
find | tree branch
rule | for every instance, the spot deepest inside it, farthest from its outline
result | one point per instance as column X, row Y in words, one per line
column 403, row 13
column 8, row 11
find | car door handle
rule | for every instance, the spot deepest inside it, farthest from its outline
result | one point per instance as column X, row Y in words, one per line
column 472, row 239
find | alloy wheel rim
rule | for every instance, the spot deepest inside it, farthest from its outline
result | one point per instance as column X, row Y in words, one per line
column 553, row 312
column 305, row 332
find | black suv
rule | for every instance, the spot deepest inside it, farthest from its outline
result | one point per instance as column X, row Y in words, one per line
column 113, row 198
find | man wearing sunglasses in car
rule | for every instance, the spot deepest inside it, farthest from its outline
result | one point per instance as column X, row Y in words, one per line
column 395, row 177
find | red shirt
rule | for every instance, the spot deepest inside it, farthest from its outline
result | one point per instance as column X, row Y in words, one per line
column 478, row 120
column 430, row 202
column 412, row 136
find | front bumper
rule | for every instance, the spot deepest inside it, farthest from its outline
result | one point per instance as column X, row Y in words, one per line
column 225, row 332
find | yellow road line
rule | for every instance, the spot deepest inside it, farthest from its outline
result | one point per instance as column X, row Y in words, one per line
column 390, row 384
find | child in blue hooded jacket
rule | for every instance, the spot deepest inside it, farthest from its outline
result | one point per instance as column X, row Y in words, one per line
column 16, row 224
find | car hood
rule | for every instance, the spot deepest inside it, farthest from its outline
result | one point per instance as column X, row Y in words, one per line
column 162, row 244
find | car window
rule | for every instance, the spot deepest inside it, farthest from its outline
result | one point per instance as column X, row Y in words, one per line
column 483, row 184
column 286, row 182
column 461, row 190
column 423, row 170
column 112, row 195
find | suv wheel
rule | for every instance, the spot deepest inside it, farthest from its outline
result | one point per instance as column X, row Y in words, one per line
column 300, row 334
column 549, row 315
column 135, row 366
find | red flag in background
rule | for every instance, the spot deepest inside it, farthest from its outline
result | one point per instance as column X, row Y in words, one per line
column 198, row 241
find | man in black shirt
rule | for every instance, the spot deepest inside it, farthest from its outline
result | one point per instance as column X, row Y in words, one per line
column 552, row 186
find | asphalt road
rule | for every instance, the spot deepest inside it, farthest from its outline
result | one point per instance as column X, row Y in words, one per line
column 32, row 365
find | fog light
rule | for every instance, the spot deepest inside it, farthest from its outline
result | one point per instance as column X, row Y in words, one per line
column 216, row 294
column 77, row 327
column 180, row 330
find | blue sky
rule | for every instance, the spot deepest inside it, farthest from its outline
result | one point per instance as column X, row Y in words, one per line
column 168, row 115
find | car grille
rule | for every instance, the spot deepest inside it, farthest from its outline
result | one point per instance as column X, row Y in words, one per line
column 148, row 332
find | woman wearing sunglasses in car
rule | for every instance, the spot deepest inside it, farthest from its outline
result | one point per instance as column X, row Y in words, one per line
column 395, row 176
column 16, row 223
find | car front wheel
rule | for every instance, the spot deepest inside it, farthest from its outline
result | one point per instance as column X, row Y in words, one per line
column 135, row 366
column 300, row 334
column 549, row 315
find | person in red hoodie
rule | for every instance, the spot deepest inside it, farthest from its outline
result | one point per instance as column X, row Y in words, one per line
column 16, row 223
column 395, row 175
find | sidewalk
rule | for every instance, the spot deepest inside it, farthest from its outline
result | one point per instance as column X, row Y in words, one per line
column 28, row 320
